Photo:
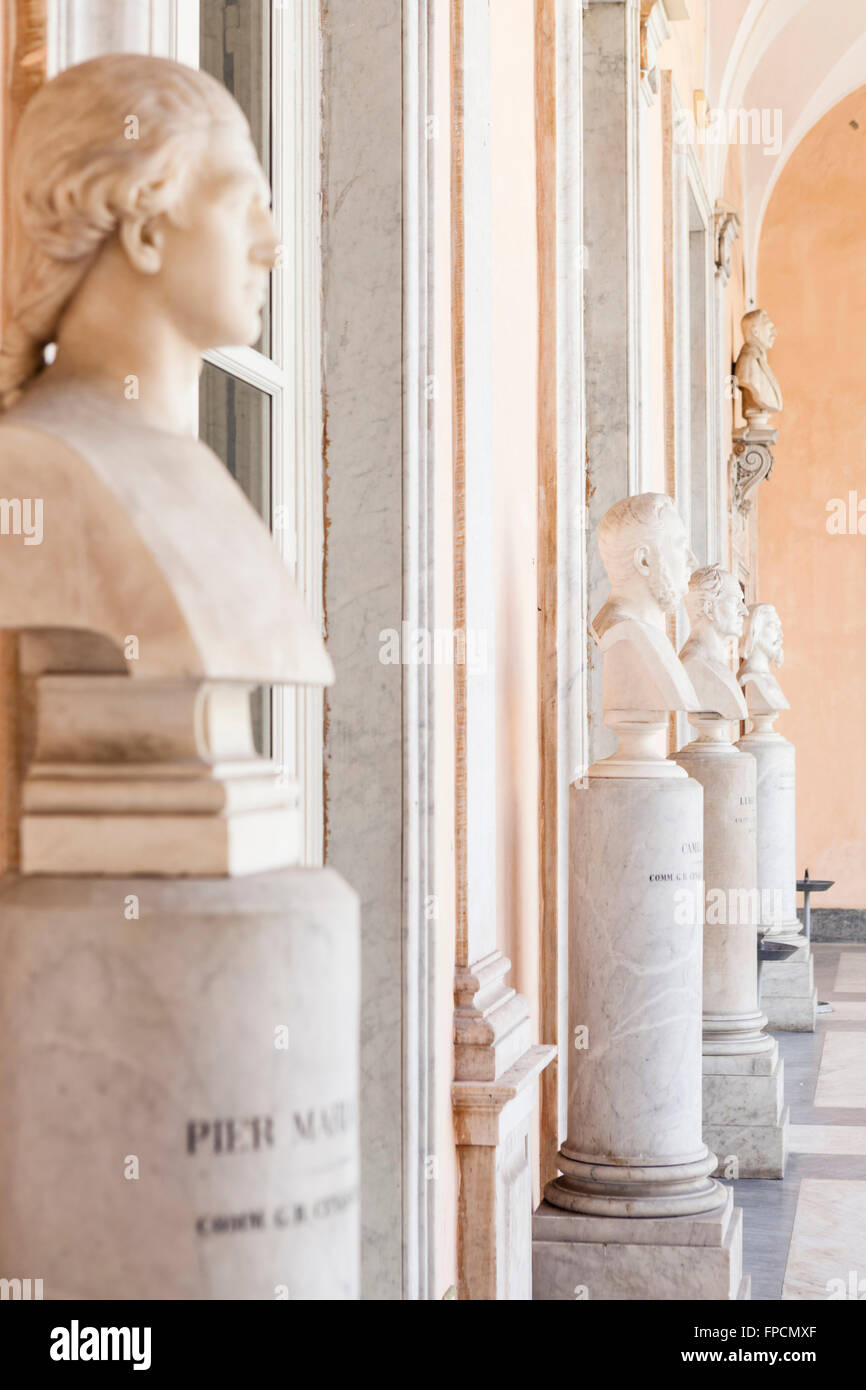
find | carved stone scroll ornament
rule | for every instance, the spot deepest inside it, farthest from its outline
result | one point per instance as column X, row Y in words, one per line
column 751, row 462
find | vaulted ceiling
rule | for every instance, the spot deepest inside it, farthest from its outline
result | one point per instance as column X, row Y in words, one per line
column 797, row 57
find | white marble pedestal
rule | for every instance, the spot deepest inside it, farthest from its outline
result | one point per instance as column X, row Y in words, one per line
column 180, row 1086
column 635, row 1170
column 788, row 996
column 745, row 1120
column 745, row 1117
column 590, row 1257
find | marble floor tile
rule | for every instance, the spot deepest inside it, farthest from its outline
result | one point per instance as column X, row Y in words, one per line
column 828, row 1242
column 797, row 1247
column 851, row 972
column 842, row 1074
column 827, row 1139
column 847, row 1010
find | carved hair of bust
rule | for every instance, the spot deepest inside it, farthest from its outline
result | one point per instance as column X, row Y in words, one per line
column 82, row 166
column 628, row 524
column 705, row 585
column 645, row 550
column 709, row 588
column 762, row 636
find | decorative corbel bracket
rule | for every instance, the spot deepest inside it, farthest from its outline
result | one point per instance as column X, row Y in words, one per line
column 750, row 463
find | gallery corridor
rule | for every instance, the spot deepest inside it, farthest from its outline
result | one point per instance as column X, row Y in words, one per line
column 805, row 1237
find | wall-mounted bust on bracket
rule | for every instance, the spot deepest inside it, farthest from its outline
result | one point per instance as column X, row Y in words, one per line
column 761, row 393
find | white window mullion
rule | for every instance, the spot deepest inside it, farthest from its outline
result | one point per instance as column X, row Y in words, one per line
column 290, row 374
column 250, row 366
column 297, row 177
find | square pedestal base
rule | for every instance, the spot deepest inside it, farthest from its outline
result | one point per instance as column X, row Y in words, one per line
column 608, row 1257
column 745, row 1117
column 788, row 994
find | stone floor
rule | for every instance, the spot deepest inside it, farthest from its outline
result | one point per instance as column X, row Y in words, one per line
column 805, row 1237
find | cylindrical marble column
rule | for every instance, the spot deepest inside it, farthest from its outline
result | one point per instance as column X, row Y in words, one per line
column 732, row 1020
column 777, row 825
column 179, row 1086
column 634, row 1145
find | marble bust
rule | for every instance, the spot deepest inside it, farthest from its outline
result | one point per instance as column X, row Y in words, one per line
column 133, row 256
column 754, row 376
column 647, row 557
column 137, row 242
column 716, row 612
column 761, row 649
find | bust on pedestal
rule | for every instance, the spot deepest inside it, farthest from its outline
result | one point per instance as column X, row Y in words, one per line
column 745, row 1120
column 788, row 995
column 179, row 1003
column 636, row 1213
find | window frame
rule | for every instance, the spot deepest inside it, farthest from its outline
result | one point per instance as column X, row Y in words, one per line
column 290, row 374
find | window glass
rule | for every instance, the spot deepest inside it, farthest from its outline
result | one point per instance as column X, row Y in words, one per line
column 235, row 421
column 235, row 47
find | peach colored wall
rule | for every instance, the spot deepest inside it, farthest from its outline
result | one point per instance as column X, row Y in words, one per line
column 812, row 280
column 684, row 54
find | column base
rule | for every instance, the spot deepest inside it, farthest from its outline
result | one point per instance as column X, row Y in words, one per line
column 655, row 1259
column 654, row 1191
column 745, row 1117
column 736, row 1035
column 785, row 929
column 788, row 994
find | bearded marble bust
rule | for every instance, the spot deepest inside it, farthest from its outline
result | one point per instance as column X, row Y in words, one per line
column 761, row 649
column 646, row 553
column 754, row 375
column 716, row 614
